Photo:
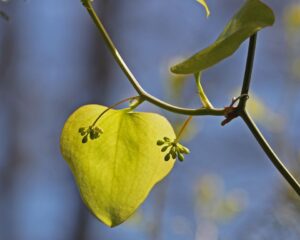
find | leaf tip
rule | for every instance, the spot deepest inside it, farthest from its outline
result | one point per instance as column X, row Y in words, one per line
column 173, row 69
column 176, row 69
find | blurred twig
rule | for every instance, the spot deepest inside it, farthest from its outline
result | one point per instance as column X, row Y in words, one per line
column 4, row 15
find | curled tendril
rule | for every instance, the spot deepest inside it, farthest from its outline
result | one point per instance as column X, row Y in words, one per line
column 175, row 149
column 90, row 133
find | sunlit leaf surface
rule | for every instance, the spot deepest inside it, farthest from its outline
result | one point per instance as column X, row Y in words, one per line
column 252, row 17
column 116, row 171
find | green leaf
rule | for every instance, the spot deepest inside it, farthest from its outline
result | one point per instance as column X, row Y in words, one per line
column 204, row 4
column 116, row 172
column 252, row 17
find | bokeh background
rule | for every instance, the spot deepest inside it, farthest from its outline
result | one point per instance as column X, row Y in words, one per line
column 53, row 60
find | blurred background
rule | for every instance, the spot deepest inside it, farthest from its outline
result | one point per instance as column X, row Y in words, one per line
column 53, row 60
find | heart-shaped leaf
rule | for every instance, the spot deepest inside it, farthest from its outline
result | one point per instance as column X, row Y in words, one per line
column 252, row 17
column 116, row 171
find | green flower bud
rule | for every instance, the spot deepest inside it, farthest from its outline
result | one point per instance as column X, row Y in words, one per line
column 167, row 157
column 89, row 130
column 183, row 149
column 92, row 135
column 164, row 148
column 167, row 139
column 160, row 142
column 173, row 153
column 85, row 139
column 180, row 157
column 96, row 135
column 81, row 130
column 98, row 130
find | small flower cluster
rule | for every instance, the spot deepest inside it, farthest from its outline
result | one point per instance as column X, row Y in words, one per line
column 93, row 132
column 176, row 150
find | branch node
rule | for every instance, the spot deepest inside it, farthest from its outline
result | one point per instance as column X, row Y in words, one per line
column 232, row 112
column 243, row 97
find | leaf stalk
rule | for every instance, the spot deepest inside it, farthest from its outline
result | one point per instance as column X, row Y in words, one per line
column 204, row 99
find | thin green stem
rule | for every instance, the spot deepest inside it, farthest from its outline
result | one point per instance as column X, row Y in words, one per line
column 184, row 111
column 204, row 99
column 270, row 153
column 172, row 108
column 112, row 106
column 184, row 126
column 248, row 71
column 109, row 43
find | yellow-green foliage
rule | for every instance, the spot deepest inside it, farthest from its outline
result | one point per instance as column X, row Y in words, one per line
column 252, row 17
column 116, row 171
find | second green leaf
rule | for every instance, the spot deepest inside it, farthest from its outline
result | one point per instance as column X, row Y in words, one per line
column 252, row 17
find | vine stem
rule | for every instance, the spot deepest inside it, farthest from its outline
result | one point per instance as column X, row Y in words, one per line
column 269, row 152
column 146, row 96
column 242, row 112
column 248, row 71
column 239, row 111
